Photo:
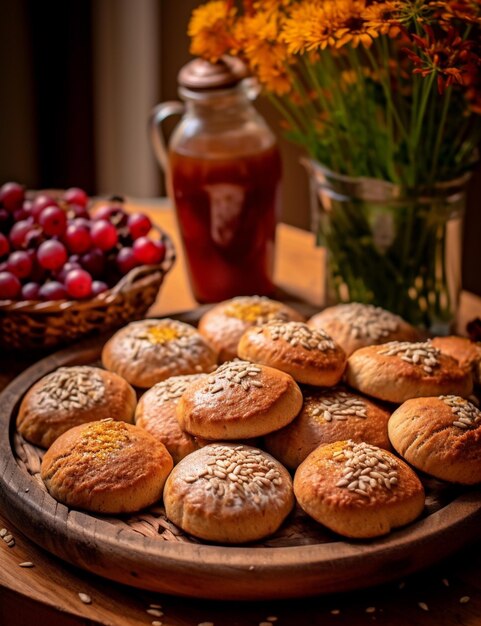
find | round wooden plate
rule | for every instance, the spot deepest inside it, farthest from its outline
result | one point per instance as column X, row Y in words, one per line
column 206, row 571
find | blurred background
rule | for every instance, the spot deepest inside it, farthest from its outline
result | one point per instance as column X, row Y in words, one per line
column 79, row 78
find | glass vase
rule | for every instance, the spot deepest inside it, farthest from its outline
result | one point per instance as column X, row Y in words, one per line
column 393, row 247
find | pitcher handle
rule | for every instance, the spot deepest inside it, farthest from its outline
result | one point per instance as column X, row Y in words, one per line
column 158, row 114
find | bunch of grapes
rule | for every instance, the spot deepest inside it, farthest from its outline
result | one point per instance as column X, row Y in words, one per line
column 53, row 248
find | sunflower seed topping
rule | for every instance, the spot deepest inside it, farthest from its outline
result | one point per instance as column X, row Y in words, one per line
column 85, row 598
column 367, row 468
column 366, row 321
column 423, row 354
column 234, row 373
column 253, row 475
column 174, row 387
column 255, row 310
column 71, row 388
column 334, row 405
column 177, row 340
column 300, row 334
column 467, row 415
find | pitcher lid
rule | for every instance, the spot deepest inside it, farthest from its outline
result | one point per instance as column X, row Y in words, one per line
column 201, row 74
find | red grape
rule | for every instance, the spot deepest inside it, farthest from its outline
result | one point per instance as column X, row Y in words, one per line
column 20, row 264
column 40, row 203
column 39, row 274
column 68, row 267
column 78, row 284
column 98, row 287
column 81, row 221
column 11, row 196
column 139, row 225
column 76, row 210
column 4, row 245
column 111, row 213
column 77, row 238
column 148, row 252
column 53, row 220
column 126, row 260
column 75, row 195
column 52, row 254
column 5, row 220
column 94, row 262
column 104, row 235
column 34, row 238
column 19, row 233
column 20, row 214
column 9, row 286
column 53, row 290
column 31, row 291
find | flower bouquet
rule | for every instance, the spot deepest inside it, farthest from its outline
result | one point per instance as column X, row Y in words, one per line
column 385, row 97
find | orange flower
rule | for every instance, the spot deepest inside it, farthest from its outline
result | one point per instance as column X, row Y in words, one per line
column 310, row 26
column 266, row 55
column 383, row 18
column 210, row 28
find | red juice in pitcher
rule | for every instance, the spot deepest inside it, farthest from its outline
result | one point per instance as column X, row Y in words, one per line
column 226, row 210
column 223, row 170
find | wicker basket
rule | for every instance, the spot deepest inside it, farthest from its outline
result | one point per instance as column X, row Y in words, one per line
column 31, row 324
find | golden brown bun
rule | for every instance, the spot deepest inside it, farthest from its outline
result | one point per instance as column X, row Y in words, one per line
column 71, row 396
column 394, row 373
column 358, row 490
column 238, row 401
column 156, row 413
column 466, row 352
column 151, row 350
column 440, row 436
column 327, row 416
column 106, row 467
column 307, row 354
column 228, row 493
column 224, row 324
column 355, row 325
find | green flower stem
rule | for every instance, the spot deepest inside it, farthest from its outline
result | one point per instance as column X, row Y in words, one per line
column 440, row 136
column 387, row 94
column 332, row 83
column 427, row 86
column 384, row 54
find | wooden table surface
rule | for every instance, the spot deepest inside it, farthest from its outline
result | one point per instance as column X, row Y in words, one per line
column 47, row 594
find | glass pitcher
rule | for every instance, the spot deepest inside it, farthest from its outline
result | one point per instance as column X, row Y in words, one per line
column 223, row 170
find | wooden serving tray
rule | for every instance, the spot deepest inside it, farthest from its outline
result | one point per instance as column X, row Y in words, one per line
column 147, row 551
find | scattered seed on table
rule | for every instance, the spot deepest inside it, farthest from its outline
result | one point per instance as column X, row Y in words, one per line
column 7, row 538
column 264, row 623
column 371, row 609
column 423, row 606
column 335, row 612
column 464, row 599
column 3, row 532
column 26, row 564
column 11, row 543
column 155, row 606
column 156, row 623
column 445, row 582
column 272, row 618
column 206, row 624
column 27, row 490
column 85, row 598
column 154, row 612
